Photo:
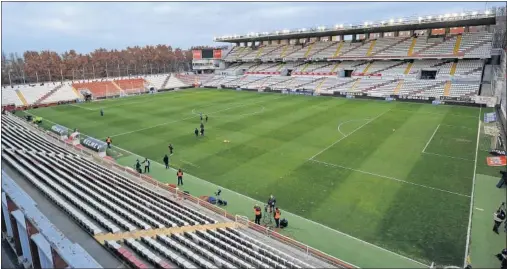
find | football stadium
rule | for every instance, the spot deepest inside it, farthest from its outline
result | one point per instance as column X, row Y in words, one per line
column 372, row 145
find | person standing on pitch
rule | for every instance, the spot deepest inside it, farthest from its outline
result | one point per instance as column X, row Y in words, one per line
column 101, row 112
column 202, row 130
column 196, row 132
column 171, row 149
column 200, row 115
column 179, row 174
column 271, row 203
column 146, row 165
column 206, row 118
column 166, row 161
column 108, row 141
column 277, row 217
column 202, row 125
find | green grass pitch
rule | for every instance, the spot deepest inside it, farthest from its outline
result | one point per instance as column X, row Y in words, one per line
column 398, row 175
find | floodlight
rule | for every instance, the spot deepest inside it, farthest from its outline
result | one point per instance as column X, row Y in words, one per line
column 391, row 21
column 487, row 12
column 447, row 15
column 341, row 25
column 455, row 14
column 400, row 20
column 429, row 17
column 420, row 18
column 474, row 13
column 463, row 14
column 365, row 23
column 382, row 22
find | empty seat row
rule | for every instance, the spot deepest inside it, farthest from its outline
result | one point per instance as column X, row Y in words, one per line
column 127, row 256
column 186, row 252
column 37, row 179
column 168, row 253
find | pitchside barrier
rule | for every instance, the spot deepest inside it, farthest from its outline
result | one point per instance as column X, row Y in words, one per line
column 179, row 195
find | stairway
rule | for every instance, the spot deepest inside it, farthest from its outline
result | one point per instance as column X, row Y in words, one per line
column 45, row 96
column 21, row 97
column 165, row 81
column 284, row 51
column 309, row 50
column 320, row 85
column 447, row 88
column 442, row 63
column 259, row 53
column 269, row 52
column 411, row 48
column 398, row 87
column 427, row 88
column 427, row 48
column 345, row 83
column 453, row 68
column 390, row 46
column 304, row 68
column 367, row 67
column 380, row 85
column 354, row 85
column 338, row 49
column 372, row 45
column 407, row 70
column 335, row 67
column 116, row 85
column 78, row 95
column 457, row 45
column 389, row 67
column 324, row 48
column 355, row 47
column 280, row 67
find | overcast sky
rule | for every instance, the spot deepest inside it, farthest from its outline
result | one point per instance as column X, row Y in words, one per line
column 86, row 26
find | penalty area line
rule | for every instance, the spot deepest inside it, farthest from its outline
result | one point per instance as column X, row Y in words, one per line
column 431, row 138
column 355, row 130
column 296, row 216
column 391, row 178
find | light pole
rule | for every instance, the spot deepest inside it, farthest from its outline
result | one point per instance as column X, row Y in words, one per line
column 10, row 81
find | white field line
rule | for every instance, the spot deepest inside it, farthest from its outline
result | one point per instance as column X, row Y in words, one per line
column 190, row 117
column 194, row 165
column 336, row 142
column 424, row 149
column 480, row 209
column 82, row 107
column 289, row 213
column 457, row 126
column 473, row 191
column 340, row 125
column 447, row 156
column 391, row 178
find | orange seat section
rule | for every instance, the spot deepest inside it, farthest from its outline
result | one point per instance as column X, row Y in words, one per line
column 98, row 88
column 131, row 85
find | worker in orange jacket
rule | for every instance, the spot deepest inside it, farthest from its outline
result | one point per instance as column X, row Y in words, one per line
column 258, row 214
column 277, row 215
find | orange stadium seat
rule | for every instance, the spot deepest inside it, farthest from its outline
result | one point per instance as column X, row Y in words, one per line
column 98, row 88
column 131, row 85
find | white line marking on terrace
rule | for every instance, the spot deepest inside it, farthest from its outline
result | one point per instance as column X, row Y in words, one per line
column 186, row 118
column 388, row 177
column 340, row 125
column 215, row 186
column 447, row 156
column 424, row 149
column 336, row 142
column 473, row 191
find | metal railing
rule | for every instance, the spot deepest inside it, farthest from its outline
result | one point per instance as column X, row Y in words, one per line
column 179, row 195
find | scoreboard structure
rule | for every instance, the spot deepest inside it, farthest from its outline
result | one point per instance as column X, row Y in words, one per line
column 199, row 54
column 207, row 60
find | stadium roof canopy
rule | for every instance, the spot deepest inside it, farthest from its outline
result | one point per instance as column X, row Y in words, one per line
column 473, row 18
